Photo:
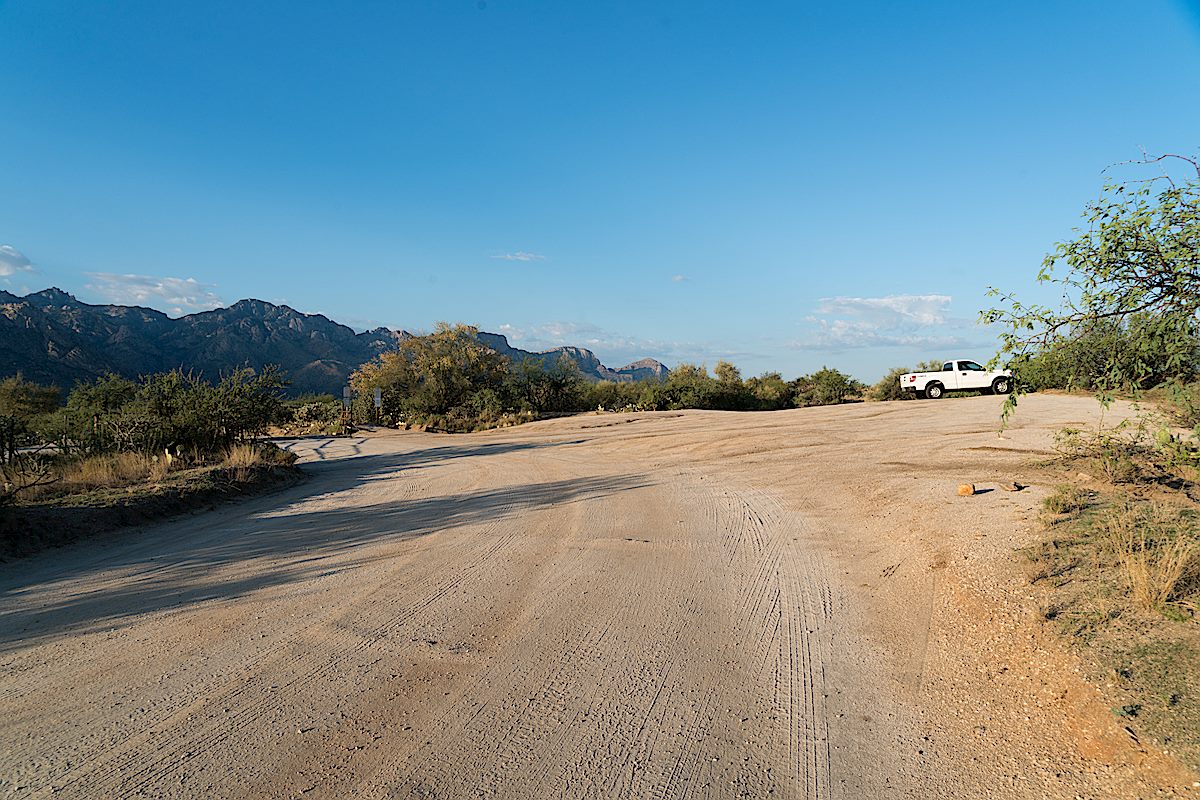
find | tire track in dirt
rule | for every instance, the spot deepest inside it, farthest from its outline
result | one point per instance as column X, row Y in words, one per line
column 785, row 605
column 579, row 698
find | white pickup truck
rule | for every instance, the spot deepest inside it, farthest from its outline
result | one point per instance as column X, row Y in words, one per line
column 957, row 376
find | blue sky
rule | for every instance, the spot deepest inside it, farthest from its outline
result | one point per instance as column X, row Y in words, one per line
column 784, row 185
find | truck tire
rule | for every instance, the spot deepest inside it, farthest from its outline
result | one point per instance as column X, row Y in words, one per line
column 934, row 391
column 1002, row 386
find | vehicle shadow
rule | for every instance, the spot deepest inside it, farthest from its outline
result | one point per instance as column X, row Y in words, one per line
column 185, row 567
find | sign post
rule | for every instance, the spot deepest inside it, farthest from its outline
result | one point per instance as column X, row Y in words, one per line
column 378, row 405
column 346, row 397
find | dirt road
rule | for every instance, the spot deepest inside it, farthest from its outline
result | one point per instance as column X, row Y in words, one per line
column 704, row 604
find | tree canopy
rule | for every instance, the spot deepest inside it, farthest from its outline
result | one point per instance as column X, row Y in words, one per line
column 1130, row 286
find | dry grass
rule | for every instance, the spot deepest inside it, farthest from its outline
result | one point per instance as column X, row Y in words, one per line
column 121, row 469
column 244, row 455
column 241, row 457
column 126, row 470
column 258, row 454
column 112, row 471
column 1158, row 549
column 1067, row 500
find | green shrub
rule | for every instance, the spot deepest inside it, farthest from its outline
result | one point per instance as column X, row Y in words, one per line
column 430, row 375
column 889, row 387
column 769, row 391
column 1139, row 352
column 320, row 417
column 173, row 410
column 825, row 387
column 539, row 386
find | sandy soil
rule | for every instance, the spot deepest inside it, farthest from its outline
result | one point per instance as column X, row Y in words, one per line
column 699, row 604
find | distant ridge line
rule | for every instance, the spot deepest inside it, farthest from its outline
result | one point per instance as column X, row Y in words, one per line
column 53, row 338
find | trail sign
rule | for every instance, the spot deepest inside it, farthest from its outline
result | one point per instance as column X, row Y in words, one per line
column 378, row 397
column 346, row 396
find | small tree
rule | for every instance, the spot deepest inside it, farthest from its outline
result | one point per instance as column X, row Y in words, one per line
column 689, row 386
column 558, row 387
column 21, row 402
column 825, row 387
column 432, row 374
column 770, row 391
column 174, row 409
column 1132, row 275
column 249, row 401
column 731, row 393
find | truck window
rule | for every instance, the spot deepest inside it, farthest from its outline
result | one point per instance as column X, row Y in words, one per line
column 971, row 365
column 948, row 366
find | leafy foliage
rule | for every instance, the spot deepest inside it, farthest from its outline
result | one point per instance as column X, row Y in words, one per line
column 447, row 372
column 176, row 410
column 556, row 388
column 769, row 391
column 21, row 404
column 1130, row 285
column 1137, row 353
column 825, row 387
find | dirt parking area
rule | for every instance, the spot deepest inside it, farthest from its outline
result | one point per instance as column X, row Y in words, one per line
column 791, row 604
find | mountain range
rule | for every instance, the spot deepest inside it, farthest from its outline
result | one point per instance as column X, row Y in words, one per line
column 52, row 338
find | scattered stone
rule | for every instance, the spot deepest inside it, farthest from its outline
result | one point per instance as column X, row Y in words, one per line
column 1012, row 486
column 966, row 489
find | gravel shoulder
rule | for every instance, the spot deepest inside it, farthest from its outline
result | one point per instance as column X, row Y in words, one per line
column 785, row 604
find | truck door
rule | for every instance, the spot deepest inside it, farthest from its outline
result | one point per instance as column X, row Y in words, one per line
column 971, row 375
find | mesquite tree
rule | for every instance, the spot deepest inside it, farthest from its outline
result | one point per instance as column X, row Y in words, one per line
column 1135, row 266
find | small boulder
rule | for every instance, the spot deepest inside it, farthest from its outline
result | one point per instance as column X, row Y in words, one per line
column 966, row 489
column 1012, row 486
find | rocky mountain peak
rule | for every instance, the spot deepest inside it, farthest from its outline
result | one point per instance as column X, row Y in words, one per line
column 52, row 296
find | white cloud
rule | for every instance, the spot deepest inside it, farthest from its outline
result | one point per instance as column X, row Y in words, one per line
column 13, row 261
column 902, row 320
column 679, row 278
column 891, row 311
column 520, row 255
column 840, row 334
column 177, row 296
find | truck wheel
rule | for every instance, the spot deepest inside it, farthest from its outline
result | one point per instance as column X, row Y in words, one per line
column 934, row 391
column 1001, row 386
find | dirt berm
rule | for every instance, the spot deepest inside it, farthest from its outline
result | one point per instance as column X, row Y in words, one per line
column 793, row 604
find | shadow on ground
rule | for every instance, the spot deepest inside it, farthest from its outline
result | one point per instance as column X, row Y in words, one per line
column 183, row 570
